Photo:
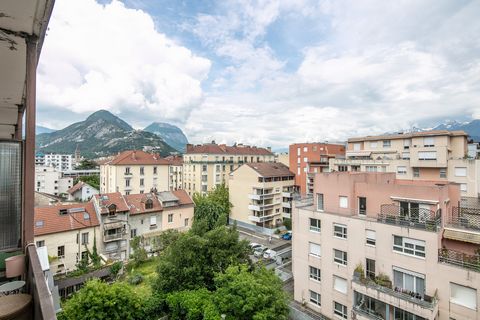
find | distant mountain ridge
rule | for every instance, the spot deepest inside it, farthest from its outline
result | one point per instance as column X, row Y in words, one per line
column 40, row 130
column 101, row 134
column 171, row 134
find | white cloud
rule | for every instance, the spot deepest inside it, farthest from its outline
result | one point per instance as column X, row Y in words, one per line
column 107, row 56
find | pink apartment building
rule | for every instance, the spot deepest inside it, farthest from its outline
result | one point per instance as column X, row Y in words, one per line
column 370, row 246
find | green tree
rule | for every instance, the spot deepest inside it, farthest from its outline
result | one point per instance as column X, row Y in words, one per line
column 93, row 180
column 139, row 254
column 192, row 305
column 244, row 295
column 99, row 300
column 86, row 164
column 191, row 262
column 166, row 238
column 212, row 209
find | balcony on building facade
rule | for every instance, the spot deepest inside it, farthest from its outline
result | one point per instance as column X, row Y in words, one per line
column 418, row 218
column 262, row 206
column 287, row 194
column 116, row 247
column 459, row 259
column 114, row 236
column 262, row 218
column 304, row 202
column 390, row 300
column 286, row 205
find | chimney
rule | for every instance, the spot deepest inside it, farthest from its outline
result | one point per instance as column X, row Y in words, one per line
column 154, row 156
column 213, row 141
column 223, row 147
column 134, row 155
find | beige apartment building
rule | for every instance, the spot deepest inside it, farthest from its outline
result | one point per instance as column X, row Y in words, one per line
column 175, row 172
column 67, row 231
column 370, row 246
column 261, row 194
column 208, row 165
column 432, row 155
column 133, row 172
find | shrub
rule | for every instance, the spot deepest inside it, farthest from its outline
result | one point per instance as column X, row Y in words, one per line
column 135, row 279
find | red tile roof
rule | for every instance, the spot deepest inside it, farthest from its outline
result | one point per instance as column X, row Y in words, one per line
column 48, row 219
column 136, row 202
column 213, row 148
column 270, row 169
column 175, row 160
column 137, row 157
column 183, row 196
column 76, row 187
column 106, row 199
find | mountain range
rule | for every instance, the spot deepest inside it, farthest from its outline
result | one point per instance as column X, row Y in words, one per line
column 171, row 134
column 472, row 128
column 103, row 134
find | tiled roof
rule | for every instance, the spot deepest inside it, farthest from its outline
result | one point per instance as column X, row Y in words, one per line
column 270, row 169
column 175, row 160
column 213, row 148
column 183, row 197
column 136, row 202
column 48, row 219
column 137, row 157
column 76, row 187
column 410, row 135
column 106, row 199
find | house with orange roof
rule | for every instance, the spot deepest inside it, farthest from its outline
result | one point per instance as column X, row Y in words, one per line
column 82, row 191
column 134, row 171
column 68, row 232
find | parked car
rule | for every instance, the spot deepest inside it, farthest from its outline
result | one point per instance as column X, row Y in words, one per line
column 258, row 252
column 254, row 245
column 269, row 254
column 287, row 236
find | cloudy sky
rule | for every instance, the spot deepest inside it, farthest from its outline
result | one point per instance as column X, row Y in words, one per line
column 263, row 72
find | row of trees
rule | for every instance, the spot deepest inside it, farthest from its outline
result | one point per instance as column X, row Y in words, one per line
column 202, row 274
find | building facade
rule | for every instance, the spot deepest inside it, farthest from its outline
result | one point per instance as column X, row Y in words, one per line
column 82, row 191
column 50, row 180
column 208, row 165
column 175, row 171
column 432, row 155
column 261, row 194
column 67, row 231
column 306, row 159
column 370, row 246
column 61, row 162
column 134, row 172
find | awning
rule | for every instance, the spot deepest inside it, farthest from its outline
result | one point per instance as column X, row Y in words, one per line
column 114, row 225
column 462, row 235
column 414, row 200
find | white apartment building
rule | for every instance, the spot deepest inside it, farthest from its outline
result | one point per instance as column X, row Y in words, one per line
column 432, row 155
column 50, row 180
column 61, row 162
column 369, row 246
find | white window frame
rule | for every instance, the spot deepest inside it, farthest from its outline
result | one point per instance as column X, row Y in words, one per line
column 153, row 220
column 427, row 155
column 410, row 247
column 340, row 284
column 316, row 227
column 170, row 218
column 340, row 231
column 314, row 253
column 343, row 261
column 315, row 274
column 315, row 298
column 460, row 171
column 343, row 202
column 322, row 207
column 455, row 292
column 343, row 312
column 370, row 237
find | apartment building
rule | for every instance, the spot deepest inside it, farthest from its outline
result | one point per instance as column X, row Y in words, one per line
column 261, row 194
column 61, row 162
column 433, row 155
column 370, row 246
column 208, row 165
column 306, row 159
column 175, row 172
column 67, row 231
column 133, row 172
column 51, row 180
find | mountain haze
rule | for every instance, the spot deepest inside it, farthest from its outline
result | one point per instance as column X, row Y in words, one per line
column 171, row 134
column 101, row 134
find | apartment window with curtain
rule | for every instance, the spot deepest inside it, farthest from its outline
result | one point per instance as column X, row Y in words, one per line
column 463, row 296
column 409, row 281
column 371, row 237
column 314, row 249
column 409, row 246
column 320, row 202
column 340, row 284
column 85, row 238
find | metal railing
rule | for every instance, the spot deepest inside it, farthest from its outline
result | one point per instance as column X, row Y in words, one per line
column 366, row 312
column 465, row 218
column 303, row 202
column 418, row 218
column 115, row 236
column 459, row 259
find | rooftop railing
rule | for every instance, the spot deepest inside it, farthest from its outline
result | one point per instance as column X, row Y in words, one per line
column 418, row 218
column 465, row 218
column 459, row 259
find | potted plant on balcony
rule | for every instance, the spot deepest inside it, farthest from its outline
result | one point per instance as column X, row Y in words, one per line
column 383, row 280
column 359, row 273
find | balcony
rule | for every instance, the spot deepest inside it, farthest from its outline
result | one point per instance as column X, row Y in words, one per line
column 423, row 219
column 287, row 195
column 304, row 202
column 255, row 196
column 459, row 259
column 426, row 307
column 114, row 236
column 286, row 215
column 286, row 205
column 261, row 219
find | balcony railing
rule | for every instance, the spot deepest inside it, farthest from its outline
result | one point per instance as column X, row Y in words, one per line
column 459, row 259
column 464, row 218
column 113, row 237
column 304, row 202
column 366, row 313
column 419, row 218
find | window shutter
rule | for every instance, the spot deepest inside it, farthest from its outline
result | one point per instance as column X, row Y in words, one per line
column 340, row 284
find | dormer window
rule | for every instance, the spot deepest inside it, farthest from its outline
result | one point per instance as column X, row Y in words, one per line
column 149, row 204
column 112, row 210
column 63, row 212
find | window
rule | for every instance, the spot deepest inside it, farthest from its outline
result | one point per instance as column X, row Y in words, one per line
column 370, row 271
column 141, row 182
column 41, row 243
column 371, row 168
column 85, row 238
column 428, row 141
column 401, row 170
column 298, row 151
column 315, row 249
column 463, row 187
column 149, row 204
column 127, row 170
column 319, row 201
column 127, row 183
column 298, row 160
column 340, row 257
column 409, row 246
column 186, row 222
column 133, row 233
column 315, row 298
column 84, row 255
column 340, row 231
column 371, row 237
column 443, row 172
column 343, row 202
column 142, row 171
column 305, row 149
column 155, row 170
column 61, row 252
column 463, row 296
column 406, row 155
column 373, row 144
column 460, row 172
column 305, row 159
column 340, row 310
column 406, row 144
column 342, row 168
column 416, row 172
column 427, row 155
column 387, row 143
column 153, row 220
column 315, row 225
column 408, row 280
column 170, row 217
column 315, row 274
column 340, row 284
column 357, row 146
